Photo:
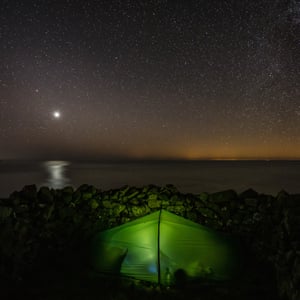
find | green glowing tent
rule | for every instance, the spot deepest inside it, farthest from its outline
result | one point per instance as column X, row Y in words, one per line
column 160, row 246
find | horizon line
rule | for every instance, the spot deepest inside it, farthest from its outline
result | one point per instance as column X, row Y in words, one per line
column 148, row 159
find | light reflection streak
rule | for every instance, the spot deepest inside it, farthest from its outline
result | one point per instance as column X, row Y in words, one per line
column 56, row 170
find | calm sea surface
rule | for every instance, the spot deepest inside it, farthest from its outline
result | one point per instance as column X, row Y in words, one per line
column 195, row 177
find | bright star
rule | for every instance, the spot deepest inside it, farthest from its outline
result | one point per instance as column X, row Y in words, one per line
column 56, row 114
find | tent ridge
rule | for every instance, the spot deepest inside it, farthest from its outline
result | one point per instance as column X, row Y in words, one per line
column 158, row 247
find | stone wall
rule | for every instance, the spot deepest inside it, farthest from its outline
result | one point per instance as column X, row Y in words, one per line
column 35, row 223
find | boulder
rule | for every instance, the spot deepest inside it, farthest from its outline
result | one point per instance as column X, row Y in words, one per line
column 134, row 201
column 207, row 213
column 124, row 190
column 171, row 188
column 5, row 212
column 93, row 204
column 251, row 202
column 250, row 193
column 178, row 210
column 107, row 204
column 203, row 197
column 86, row 196
column 139, row 211
column 45, row 195
column 68, row 190
column 133, row 194
column 152, row 197
column 76, row 197
column 118, row 208
column 223, row 197
column 154, row 203
column 164, row 197
column 29, row 192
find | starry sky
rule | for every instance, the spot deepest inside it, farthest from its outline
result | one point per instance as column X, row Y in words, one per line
column 150, row 79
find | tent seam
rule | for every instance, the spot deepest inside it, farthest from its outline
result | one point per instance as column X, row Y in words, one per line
column 158, row 249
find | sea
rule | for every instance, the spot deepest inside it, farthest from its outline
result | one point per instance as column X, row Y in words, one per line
column 267, row 177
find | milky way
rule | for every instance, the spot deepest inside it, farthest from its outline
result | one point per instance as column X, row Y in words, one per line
column 159, row 79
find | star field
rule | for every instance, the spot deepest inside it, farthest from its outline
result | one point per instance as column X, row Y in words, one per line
column 150, row 79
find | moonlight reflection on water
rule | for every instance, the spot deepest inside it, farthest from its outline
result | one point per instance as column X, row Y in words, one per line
column 56, row 174
column 189, row 177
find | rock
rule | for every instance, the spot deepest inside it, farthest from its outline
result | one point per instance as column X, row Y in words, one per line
column 124, row 190
column 4, row 201
column 125, row 220
column 225, row 213
column 67, row 212
column 15, row 198
column 294, row 234
column 48, row 211
column 296, row 272
column 292, row 202
column 291, row 220
column 5, row 212
column 257, row 217
column 115, row 196
column 22, row 209
column 178, row 210
column 199, row 204
column 282, row 195
column 139, row 211
column 29, row 192
column 45, row 195
column 251, row 202
column 68, row 190
column 239, row 217
column 107, row 204
column 206, row 212
column 83, row 188
column 164, row 204
column 250, row 193
column 163, row 197
column 191, row 215
column 141, row 196
column 154, row 203
column 179, row 203
column 118, row 209
column 152, row 197
column 132, row 195
column 296, row 245
column 171, row 188
column 290, row 257
column 94, row 204
column 67, row 198
column 86, row 196
column 214, row 223
column 215, row 207
column 175, row 199
column 152, row 189
column 203, row 196
column 76, row 197
column 223, row 197
column 134, row 201
column 145, row 189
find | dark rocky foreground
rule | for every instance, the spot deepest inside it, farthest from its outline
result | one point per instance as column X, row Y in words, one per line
column 45, row 235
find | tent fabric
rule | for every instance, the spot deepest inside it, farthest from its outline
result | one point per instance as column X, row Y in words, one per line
column 160, row 245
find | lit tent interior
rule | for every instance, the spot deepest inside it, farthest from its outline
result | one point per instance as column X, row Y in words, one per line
column 161, row 245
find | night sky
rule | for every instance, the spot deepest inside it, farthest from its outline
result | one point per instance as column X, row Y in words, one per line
column 152, row 79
